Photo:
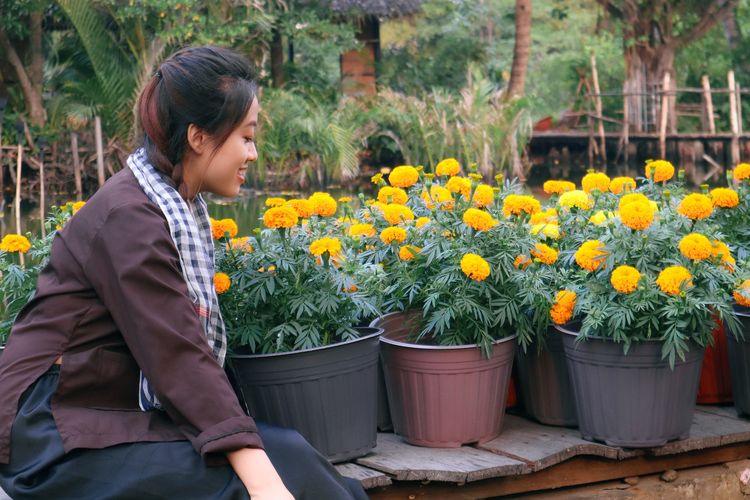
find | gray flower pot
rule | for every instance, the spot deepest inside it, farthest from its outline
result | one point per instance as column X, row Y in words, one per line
column 544, row 383
column 739, row 363
column 328, row 394
column 633, row 400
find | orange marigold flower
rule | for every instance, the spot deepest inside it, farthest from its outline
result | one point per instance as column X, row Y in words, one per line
column 459, row 185
column 367, row 230
column 620, row 184
column 638, row 215
column 522, row 262
column 449, row 166
column 77, row 206
column 545, row 216
column 544, row 253
column 408, row 252
column 479, row 220
column 633, row 198
column 515, row 204
column 440, row 195
column 242, row 244
column 275, row 202
column 672, row 279
column 396, row 214
column 388, row 194
column 596, row 181
column 625, row 279
column 562, row 310
column 221, row 283
column 280, row 217
column 725, row 198
column 696, row 206
column 483, row 196
column 742, row 294
column 475, row 267
column 391, row 234
column 323, row 204
column 220, row 227
column 576, row 198
column 558, row 187
column 403, row 176
column 742, row 171
column 720, row 251
column 303, row 207
column 322, row 245
column 12, row 243
column 591, row 255
column 662, row 170
column 422, row 221
column 695, row 246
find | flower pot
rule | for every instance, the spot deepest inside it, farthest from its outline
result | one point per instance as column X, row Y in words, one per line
column 739, row 363
column 512, row 400
column 328, row 394
column 384, row 411
column 716, row 381
column 543, row 379
column 443, row 397
column 634, row 400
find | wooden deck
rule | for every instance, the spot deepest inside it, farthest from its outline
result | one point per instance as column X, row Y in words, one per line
column 529, row 456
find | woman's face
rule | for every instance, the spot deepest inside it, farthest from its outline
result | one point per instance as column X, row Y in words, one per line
column 225, row 172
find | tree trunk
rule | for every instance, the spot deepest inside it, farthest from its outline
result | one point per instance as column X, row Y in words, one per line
column 732, row 30
column 277, row 59
column 521, row 48
column 644, row 71
column 31, row 90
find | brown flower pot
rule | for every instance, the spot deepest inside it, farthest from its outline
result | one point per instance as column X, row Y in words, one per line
column 443, row 397
column 716, row 379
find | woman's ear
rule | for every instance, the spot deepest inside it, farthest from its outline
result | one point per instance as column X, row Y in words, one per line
column 197, row 139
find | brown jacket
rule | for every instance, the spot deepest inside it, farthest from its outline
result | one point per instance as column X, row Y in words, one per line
column 113, row 299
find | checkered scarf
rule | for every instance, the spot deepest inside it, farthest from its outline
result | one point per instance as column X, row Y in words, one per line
column 190, row 228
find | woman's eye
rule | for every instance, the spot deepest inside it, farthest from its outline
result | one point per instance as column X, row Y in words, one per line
column 249, row 139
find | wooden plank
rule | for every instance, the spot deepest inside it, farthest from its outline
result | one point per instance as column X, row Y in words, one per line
column 368, row 477
column 413, row 463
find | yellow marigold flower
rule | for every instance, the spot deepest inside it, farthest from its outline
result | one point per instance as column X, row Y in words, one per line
column 475, row 267
column 449, row 166
column 596, row 181
column 695, row 246
column 404, row 176
column 725, row 198
column 696, row 206
column 12, row 243
column 440, row 195
column 388, row 194
column 303, row 207
column 323, row 245
column 275, row 202
column 662, row 170
column 479, row 219
column 459, row 185
column 598, row 218
column 422, row 221
column 408, row 252
column 742, row 171
column 475, row 176
column 515, row 204
column 620, row 184
column 367, row 230
column 522, row 262
column 77, row 206
column 391, row 234
column 221, row 283
column 672, row 278
column 323, row 204
column 558, row 187
column 742, row 293
column 242, row 244
column 396, row 214
column 590, row 255
column 576, row 198
column 544, row 253
column 549, row 215
column 375, row 179
column 483, row 196
column 625, row 279
column 633, row 198
column 280, row 217
column 562, row 310
column 345, row 199
column 721, row 251
column 638, row 215
column 548, row 230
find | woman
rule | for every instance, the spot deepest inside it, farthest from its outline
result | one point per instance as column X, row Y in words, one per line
column 111, row 384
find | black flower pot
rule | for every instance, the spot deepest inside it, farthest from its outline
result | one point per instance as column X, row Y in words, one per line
column 739, row 363
column 328, row 394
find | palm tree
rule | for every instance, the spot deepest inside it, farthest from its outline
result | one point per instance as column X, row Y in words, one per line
column 521, row 48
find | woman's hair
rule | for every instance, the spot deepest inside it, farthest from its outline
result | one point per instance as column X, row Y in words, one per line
column 210, row 87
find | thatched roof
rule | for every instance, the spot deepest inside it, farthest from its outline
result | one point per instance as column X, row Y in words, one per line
column 379, row 8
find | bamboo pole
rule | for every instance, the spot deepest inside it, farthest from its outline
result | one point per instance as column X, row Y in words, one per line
column 19, row 163
column 708, row 99
column 42, row 144
column 738, row 93
column 626, row 131
column 76, row 165
column 735, row 147
column 99, row 150
column 664, row 117
column 598, row 107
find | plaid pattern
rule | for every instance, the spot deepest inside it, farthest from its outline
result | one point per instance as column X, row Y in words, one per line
column 190, row 228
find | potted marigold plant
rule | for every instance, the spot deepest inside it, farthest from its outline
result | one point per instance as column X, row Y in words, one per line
column 292, row 306
column 455, row 301
column 643, row 306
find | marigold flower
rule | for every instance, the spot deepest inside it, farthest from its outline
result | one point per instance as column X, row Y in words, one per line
column 549, row 215
column 12, row 243
column 391, row 234
column 322, row 245
column 367, row 230
column 672, row 278
column 548, row 230
column 522, row 262
column 408, row 252
column 742, row 171
column 388, row 194
column 275, row 202
column 242, row 244
column 323, row 204
column 637, row 216
column 221, row 283
column 515, row 204
column 598, row 218
column 558, row 187
column 396, row 214
column 662, row 170
column 440, row 195
column 77, row 206
column 483, row 196
column 345, row 199
column 625, row 279
column 422, row 221
column 576, row 198
column 375, row 179
column 479, row 220
column 475, row 267
column 459, row 185
column 725, row 198
column 220, row 227
column 449, row 166
column 695, row 247
column 742, row 293
column 303, row 207
column 620, row 184
column 403, row 176
column 696, row 206
column 632, row 198
column 590, row 255
column 721, row 251
column 544, row 253
column 562, row 310
column 596, row 181
column 280, row 217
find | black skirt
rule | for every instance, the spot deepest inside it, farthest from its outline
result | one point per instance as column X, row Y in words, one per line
column 39, row 468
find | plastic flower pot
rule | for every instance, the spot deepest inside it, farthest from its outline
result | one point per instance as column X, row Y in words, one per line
column 328, row 394
column 634, row 400
column 716, row 380
column 443, row 397
column 739, row 363
column 543, row 379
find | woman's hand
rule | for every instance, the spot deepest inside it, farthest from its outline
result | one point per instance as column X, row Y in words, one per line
column 258, row 474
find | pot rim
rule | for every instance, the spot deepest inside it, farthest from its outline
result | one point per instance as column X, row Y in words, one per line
column 376, row 333
column 563, row 330
column 411, row 345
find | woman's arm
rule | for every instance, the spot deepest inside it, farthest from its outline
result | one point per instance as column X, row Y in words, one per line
column 257, row 473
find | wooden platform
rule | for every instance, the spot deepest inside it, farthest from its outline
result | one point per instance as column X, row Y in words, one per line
column 529, row 456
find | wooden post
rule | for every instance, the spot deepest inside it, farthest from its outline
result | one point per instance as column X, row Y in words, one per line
column 42, row 143
column 598, row 107
column 76, row 165
column 625, row 141
column 99, row 150
column 735, row 148
column 664, row 117
column 739, row 108
column 709, row 104
column 19, row 162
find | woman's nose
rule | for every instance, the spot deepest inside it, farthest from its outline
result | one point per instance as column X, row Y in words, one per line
column 252, row 152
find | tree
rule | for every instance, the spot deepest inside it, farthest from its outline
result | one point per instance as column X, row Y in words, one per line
column 521, row 48
column 652, row 34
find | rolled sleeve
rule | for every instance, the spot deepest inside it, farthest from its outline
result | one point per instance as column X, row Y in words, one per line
column 135, row 269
